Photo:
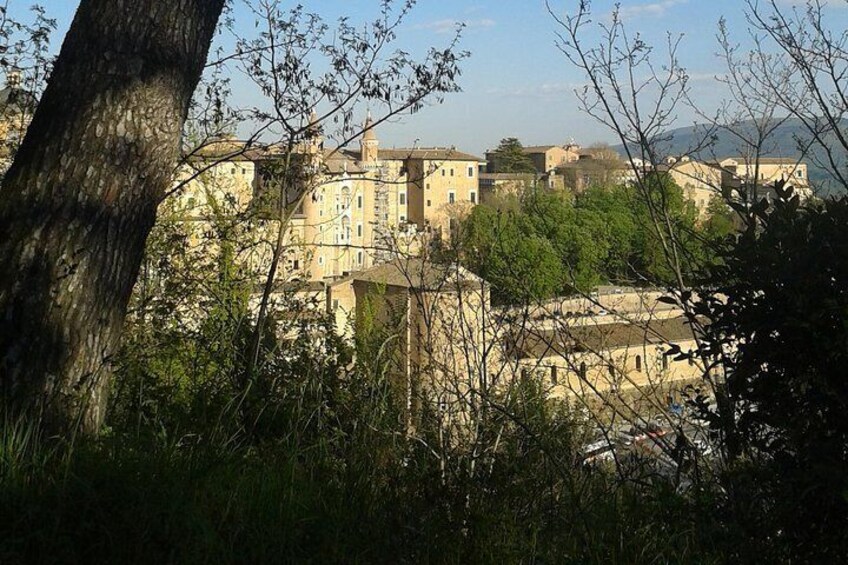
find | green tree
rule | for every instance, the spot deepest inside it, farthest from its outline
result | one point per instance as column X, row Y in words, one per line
column 509, row 157
column 612, row 213
column 502, row 248
column 778, row 314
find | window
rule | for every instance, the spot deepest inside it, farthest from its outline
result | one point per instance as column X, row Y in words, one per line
column 665, row 362
column 583, row 371
column 443, row 172
column 233, row 171
column 402, row 198
column 428, row 186
column 429, row 203
column 470, row 172
column 638, row 363
column 799, row 174
column 451, row 172
column 473, row 197
column 359, row 201
column 402, row 218
column 335, row 303
column 296, row 265
column 346, row 228
column 321, row 260
column 451, row 197
column 243, row 171
column 452, row 224
column 359, row 229
column 553, row 374
column 359, row 257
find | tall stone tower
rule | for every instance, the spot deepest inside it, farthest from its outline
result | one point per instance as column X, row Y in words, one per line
column 368, row 145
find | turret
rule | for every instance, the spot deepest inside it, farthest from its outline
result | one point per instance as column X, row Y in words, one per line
column 368, row 145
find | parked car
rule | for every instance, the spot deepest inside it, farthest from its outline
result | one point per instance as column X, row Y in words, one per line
column 602, row 450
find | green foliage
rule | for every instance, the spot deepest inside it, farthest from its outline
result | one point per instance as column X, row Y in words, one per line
column 549, row 243
column 779, row 305
column 509, row 157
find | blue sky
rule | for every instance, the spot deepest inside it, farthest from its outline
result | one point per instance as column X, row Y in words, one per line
column 516, row 82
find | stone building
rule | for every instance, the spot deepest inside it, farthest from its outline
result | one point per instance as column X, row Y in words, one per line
column 620, row 356
column 702, row 181
column 545, row 158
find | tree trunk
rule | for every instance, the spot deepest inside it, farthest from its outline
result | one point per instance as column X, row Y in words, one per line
column 80, row 198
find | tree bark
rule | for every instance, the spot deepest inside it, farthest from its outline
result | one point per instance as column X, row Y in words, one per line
column 80, row 198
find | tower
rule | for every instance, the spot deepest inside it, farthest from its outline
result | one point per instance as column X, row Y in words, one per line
column 368, row 145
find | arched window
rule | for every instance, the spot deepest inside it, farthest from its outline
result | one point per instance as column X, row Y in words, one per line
column 638, row 363
column 345, row 197
column 346, row 228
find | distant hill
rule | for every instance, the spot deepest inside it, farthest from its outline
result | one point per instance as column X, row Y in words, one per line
column 782, row 143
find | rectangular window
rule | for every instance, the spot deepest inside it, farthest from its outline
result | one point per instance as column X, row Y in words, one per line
column 402, row 218
column 359, row 230
column 359, row 257
column 799, row 173
column 402, row 197
column 296, row 265
column 473, row 197
column 335, row 303
column 429, row 203
column 443, row 172
column 359, row 202
column 470, row 172
column 451, row 197
column 451, row 172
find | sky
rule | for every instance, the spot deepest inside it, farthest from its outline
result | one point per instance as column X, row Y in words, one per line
column 516, row 82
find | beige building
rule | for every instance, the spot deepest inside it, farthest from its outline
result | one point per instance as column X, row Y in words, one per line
column 442, row 184
column 545, row 158
column 433, row 321
column 767, row 170
column 602, row 169
column 620, row 357
column 702, row 181
column 344, row 210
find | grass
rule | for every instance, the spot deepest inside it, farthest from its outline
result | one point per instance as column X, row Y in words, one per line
column 121, row 499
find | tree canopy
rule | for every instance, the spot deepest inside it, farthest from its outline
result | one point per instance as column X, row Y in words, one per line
column 546, row 243
column 509, row 157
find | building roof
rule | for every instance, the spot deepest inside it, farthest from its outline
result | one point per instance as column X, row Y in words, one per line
column 767, row 161
column 600, row 337
column 427, row 154
column 337, row 162
column 506, row 176
column 417, row 273
column 541, row 148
